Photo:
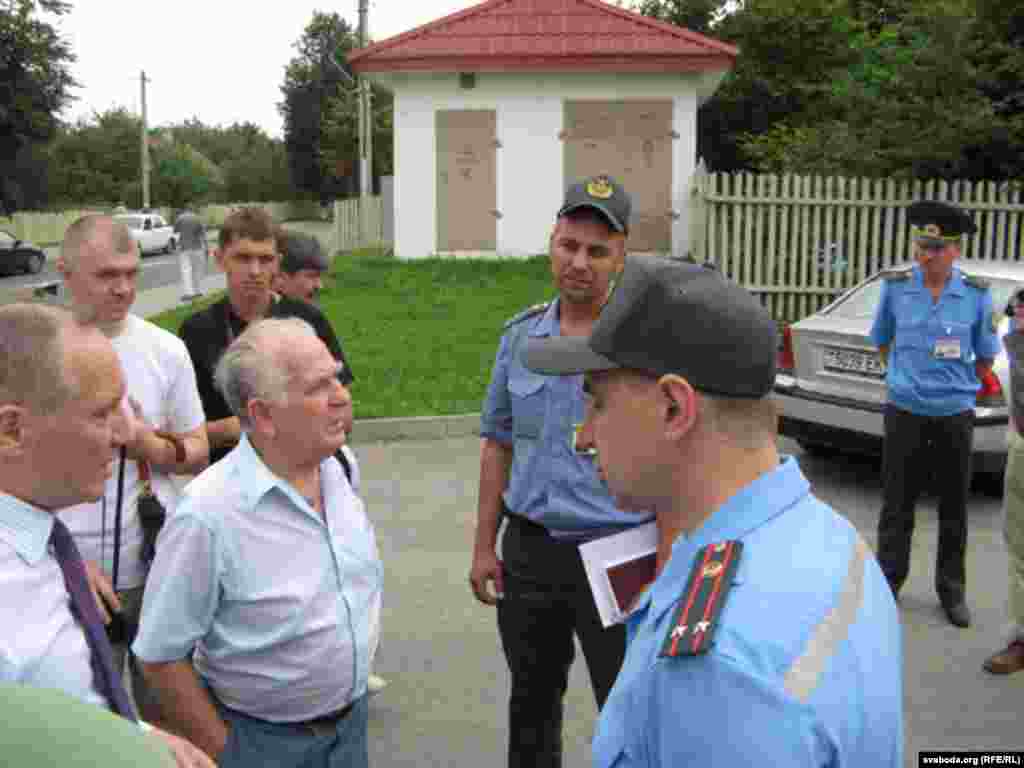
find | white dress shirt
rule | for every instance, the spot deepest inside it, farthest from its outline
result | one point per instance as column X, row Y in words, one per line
column 41, row 642
column 281, row 608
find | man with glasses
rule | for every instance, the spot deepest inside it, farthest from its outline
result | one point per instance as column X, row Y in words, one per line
column 935, row 331
column 551, row 496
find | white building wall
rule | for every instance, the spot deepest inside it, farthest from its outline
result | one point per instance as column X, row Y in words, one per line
column 529, row 169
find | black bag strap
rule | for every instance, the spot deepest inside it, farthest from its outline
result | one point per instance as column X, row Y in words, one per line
column 117, row 515
column 345, row 464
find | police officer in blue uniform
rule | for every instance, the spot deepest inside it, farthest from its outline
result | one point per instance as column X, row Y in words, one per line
column 550, row 497
column 769, row 635
column 934, row 329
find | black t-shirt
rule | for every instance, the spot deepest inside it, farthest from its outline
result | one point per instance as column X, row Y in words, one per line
column 206, row 336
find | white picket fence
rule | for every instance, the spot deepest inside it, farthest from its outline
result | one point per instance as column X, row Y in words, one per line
column 352, row 231
column 799, row 241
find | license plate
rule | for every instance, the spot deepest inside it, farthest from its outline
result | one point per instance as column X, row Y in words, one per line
column 853, row 361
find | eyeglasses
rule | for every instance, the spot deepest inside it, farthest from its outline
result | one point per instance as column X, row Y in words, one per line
column 574, row 443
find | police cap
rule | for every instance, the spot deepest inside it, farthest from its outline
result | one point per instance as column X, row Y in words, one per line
column 936, row 223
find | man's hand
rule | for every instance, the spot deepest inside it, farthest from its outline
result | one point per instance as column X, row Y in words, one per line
column 185, row 754
column 102, row 590
column 487, row 568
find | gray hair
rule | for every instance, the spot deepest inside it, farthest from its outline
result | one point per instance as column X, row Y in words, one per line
column 253, row 367
column 87, row 230
column 32, row 366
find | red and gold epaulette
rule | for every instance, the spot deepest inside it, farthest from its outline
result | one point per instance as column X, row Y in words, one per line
column 707, row 589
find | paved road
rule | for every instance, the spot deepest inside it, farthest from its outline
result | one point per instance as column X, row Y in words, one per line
column 440, row 649
column 157, row 270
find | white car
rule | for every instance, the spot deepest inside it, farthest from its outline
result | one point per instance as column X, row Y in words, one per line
column 831, row 383
column 150, row 231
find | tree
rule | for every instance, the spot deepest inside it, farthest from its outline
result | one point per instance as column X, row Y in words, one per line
column 96, row 160
column 320, row 111
column 182, row 175
column 913, row 88
column 253, row 166
column 35, row 85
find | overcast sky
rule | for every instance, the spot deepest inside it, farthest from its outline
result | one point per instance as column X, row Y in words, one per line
column 219, row 60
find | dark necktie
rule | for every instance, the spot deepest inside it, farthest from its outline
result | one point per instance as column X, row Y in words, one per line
column 84, row 608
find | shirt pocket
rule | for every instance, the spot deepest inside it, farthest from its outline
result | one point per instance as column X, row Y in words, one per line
column 526, row 393
column 911, row 328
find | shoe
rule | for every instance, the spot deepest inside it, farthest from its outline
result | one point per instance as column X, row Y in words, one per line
column 375, row 684
column 1006, row 661
column 957, row 612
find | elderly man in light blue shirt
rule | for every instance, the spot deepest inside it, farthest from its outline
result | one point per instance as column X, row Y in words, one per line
column 263, row 607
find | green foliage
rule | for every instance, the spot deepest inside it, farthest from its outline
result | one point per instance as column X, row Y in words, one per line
column 98, row 160
column 35, row 84
column 320, row 111
column 422, row 334
column 182, row 175
column 915, row 88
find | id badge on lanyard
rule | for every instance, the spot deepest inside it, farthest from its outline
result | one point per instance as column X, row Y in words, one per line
column 947, row 348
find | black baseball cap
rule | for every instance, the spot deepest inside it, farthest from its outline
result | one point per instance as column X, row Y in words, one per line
column 604, row 195
column 301, row 251
column 935, row 223
column 666, row 316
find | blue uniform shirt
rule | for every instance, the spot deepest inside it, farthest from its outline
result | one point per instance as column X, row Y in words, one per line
column 536, row 415
column 934, row 345
column 805, row 669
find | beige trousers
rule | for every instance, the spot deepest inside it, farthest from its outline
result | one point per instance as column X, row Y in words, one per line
column 1013, row 532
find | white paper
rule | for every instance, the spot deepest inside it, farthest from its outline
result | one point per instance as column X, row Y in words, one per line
column 601, row 554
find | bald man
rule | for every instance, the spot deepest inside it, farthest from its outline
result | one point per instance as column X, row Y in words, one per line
column 99, row 262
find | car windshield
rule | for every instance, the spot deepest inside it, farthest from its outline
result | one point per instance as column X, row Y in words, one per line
column 862, row 302
column 132, row 222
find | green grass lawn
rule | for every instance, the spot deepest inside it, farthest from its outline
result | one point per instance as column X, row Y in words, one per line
column 421, row 335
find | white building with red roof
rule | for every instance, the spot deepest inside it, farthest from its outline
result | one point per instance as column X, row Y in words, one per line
column 499, row 107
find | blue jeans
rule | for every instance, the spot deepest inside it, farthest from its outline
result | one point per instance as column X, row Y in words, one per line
column 254, row 743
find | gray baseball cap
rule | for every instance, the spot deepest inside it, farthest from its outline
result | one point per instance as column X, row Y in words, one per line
column 603, row 194
column 666, row 316
column 301, row 251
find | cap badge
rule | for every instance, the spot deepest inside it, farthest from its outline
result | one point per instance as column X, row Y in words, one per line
column 600, row 188
column 932, row 230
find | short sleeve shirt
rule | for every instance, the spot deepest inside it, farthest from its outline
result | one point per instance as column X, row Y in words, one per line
column 208, row 333
column 934, row 345
column 805, row 668
column 536, row 415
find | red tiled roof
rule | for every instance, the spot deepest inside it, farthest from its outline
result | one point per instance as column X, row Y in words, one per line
column 545, row 35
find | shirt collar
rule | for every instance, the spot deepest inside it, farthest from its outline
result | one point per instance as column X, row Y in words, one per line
column 767, row 497
column 25, row 527
column 259, row 480
column 955, row 284
column 548, row 325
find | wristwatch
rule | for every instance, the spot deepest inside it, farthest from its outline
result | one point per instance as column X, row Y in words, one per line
column 180, row 454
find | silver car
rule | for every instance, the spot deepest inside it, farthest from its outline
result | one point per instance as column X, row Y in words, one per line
column 831, row 382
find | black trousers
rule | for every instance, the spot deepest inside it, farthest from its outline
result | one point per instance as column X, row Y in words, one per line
column 547, row 600
column 918, row 450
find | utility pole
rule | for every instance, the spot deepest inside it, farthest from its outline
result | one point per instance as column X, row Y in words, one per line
column 144, row 143
column 365, row 114
column 365, row 136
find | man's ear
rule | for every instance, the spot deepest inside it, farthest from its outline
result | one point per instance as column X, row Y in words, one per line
column 680, row 404
column 12, row 429
column 62, row 266
column 260, row 416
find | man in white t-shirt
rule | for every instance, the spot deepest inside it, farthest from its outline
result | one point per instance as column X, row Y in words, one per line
column 100, row 265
